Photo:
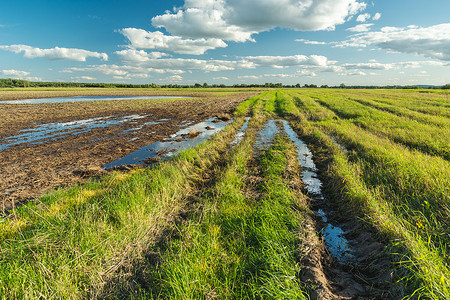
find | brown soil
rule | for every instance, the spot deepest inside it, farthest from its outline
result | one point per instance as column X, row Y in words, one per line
column 27, row 171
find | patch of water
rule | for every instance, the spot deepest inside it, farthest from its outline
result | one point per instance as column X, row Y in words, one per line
column 54, row 131
column 334, row 238
column 86, row 98
column 177, row 142
column 265, row 136
column 161, row 121
column 240, row 134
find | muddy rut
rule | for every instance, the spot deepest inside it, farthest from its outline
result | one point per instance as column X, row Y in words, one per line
column 342, row 260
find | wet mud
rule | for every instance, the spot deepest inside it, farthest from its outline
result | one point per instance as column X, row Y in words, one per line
column 159, row 151
column 46, row 146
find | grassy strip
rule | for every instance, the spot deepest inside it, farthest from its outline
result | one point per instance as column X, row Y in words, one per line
column 68, row 243
column 434, row 140
column 426, row 261
column 434, row 104
column 236, row 247
column 404, row 112
column 416, row 183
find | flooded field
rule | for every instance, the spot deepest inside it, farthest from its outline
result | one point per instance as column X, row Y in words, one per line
column 185, row 138
column 85, row 99
column 295, row 194
column 55, row 143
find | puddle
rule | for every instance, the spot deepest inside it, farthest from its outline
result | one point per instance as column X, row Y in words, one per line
column 161, row 121
column 185, row 138
column 334, row 238
column 265, row 136
column 54, row 131
column 240, row 134
column 87, row 98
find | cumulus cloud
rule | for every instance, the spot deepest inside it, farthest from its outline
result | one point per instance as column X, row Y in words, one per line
column 391, row 66
column 311, row 42
column 363, row 17
column 433, row 41
column 249, row 77
column 56, row 53
column 201, row 25
column 143, row 39
column 174, row 78
column 139, row 64
column 139, row 55
column 221, row 78
column 237, row 20
column 360, row 28
column 15, row 73
column 81, row 78
column 143, row 59
column 288, row 61
column 376, row 17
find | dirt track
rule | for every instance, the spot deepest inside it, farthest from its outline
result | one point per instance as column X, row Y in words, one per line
column 28, row 170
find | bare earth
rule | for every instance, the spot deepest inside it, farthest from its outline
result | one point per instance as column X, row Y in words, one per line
column 29, row 170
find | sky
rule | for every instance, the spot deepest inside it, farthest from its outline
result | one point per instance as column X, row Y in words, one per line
column 355, row 42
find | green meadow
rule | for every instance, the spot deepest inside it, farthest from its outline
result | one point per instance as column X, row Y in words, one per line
column 230, row 222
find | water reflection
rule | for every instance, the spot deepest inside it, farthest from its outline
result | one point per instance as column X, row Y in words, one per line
column 86, row 98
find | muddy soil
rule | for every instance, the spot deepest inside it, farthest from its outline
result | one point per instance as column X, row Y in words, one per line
column 29, row 170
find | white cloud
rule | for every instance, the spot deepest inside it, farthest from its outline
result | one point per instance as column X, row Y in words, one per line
column 391, row 66
column 143, row 39
column 202, row 25
column 138, row 64
column 433, row 41
column 287, row 61
column 175, row 78
column 139, row 55
column 360, row 28
column 376, row 17
column 249, row 77
column 363, row 17
column 56, row 53
column 81, row 78
column 311, row 42
column 221, row 78
column 15, row 73
column 237, row 20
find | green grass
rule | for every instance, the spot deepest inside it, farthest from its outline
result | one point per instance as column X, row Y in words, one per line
column 237, row 247
column 403, row 192
column 217, row 222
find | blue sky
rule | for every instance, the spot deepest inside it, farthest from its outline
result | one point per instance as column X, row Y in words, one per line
column 355, row 42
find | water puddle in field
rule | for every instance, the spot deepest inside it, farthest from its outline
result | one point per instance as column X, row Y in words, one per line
column 240, row 134
column 87, row 98
column 334, row 238
column 159, row 151
column 54, row 131
column 265, row 136
column 140, row 127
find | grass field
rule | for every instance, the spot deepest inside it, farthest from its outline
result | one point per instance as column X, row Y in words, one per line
column 237, row 223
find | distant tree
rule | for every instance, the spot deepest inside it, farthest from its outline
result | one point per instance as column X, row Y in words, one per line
column 342, row 86
column 447, row 86
column 324, row 86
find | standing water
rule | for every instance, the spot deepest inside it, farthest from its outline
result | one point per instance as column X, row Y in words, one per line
column 333, row 236
column 183, row 139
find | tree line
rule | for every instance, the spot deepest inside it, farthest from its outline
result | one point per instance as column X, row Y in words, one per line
column 12, row 83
